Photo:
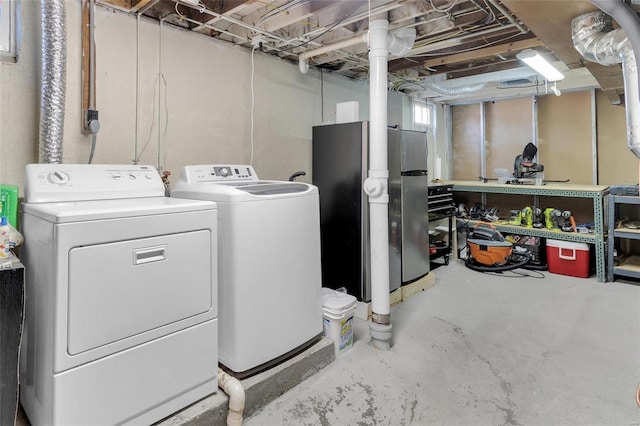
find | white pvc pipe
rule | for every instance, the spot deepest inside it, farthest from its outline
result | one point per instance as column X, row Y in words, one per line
column 376, row 183
column 303, row 59
column 232, row 387
column 362, row 38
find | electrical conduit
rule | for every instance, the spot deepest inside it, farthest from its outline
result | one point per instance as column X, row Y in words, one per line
column 232, row 387
column 596, row 40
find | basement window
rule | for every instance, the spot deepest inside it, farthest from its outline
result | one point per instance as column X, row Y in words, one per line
column 422, row 115
column 7, row 30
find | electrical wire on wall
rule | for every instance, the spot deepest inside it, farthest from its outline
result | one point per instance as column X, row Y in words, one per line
column 166, row 123
column 94, row 138
column 135, row 143
column 252, row 101
column 90, row 124
column 153, row 122
column 159, row 99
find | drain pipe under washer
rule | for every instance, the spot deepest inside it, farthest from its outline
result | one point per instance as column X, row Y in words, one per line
column 232, row 387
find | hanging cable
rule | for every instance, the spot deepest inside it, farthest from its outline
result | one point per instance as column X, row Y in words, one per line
column 135, row 143
column 93, row 147
column 166, row 121
column 153, row 122
column 252, row 100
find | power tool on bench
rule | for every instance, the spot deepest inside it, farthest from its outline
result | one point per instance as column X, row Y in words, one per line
column 552, row 218
column 568, row 223
column 538, row 218
column 525, row 170
column 527, row 217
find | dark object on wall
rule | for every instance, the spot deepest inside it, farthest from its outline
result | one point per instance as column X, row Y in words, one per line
column 11, row 310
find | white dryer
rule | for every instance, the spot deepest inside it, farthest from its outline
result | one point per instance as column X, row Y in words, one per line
column 269, row 263
column 121, row 296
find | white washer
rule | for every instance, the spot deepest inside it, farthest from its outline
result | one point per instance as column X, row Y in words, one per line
column 121, row 296
column 269, row 263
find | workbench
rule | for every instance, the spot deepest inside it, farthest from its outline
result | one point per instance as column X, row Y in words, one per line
column 597, row 193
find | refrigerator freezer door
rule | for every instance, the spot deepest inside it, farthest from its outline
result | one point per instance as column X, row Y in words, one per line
column 394, row 158
column 414, row 151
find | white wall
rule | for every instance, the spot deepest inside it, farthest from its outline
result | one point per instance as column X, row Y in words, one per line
column 202, row 105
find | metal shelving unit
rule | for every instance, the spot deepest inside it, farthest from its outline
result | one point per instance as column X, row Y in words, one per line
column 596, row 192
column 631, row 265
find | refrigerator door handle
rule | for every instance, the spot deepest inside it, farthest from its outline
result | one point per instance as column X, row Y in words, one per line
column 414, row 173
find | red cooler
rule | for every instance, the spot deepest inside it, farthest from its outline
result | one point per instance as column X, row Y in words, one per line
column 568, row 258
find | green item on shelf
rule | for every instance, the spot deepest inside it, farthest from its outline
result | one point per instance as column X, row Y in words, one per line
column 9, row 203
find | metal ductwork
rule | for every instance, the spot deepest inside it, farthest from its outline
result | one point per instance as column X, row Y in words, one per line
column 596, row 40
column 401, row 41
column 53, row 79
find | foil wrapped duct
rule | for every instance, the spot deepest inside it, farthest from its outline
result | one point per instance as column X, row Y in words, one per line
column 53, row 80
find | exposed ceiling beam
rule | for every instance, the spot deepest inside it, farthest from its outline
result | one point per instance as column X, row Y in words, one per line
column 142, row 5
column 466, row 71
column 484, row 52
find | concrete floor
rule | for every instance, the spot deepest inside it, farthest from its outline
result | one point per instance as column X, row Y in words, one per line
column 474, row 349
column 477, row 349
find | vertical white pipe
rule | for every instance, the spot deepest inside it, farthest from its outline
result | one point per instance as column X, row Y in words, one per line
column 376, row 185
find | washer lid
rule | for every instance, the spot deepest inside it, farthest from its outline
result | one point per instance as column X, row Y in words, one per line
column 242, row 191
column 77, row 211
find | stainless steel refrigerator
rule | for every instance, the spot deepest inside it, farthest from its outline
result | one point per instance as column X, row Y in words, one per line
column 340, row 166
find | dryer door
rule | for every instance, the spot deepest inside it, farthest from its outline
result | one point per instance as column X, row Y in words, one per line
column 126, row 288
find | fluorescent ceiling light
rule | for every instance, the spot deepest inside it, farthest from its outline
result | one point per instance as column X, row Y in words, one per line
column 538, row 63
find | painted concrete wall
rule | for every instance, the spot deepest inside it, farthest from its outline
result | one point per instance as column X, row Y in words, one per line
column 192, row 95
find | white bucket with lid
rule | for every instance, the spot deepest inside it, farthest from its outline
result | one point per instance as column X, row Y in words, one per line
column 337, row 318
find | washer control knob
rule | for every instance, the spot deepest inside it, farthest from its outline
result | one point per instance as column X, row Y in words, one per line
column 59, row 177
column 116, row 176
column 148, row 176
column 132, row 176
column 224, row 171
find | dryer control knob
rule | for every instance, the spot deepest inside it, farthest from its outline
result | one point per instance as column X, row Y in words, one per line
column 59, row 177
